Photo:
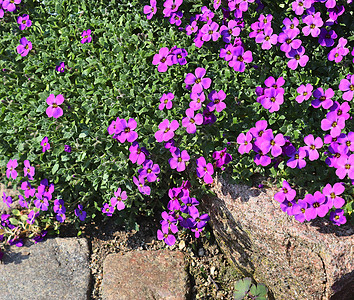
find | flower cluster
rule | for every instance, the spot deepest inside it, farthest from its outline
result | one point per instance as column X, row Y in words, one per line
column 166, row 58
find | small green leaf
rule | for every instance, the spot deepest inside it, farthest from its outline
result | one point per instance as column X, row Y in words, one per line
column 13, row 221
column 55, row 168
column 15, row 212
column 242, row 286
column 259, row 291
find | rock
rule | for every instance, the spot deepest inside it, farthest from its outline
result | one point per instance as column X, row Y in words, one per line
column 312, row 260
column 201, row 252
column 53, row 269
column 141, row 275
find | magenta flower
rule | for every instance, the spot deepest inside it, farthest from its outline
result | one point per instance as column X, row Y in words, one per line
column 108, row 209
column 126, row 129
column 166, row 131
column 167, row 236
column 205, row 170
column 117, row 201
column 9, row 5
column 338, row 52
column 318, row 206
column 7, row 199
column 54, row 110
column 347, row 86
column 267, row 38
column 45, row 144
column 222, row 158
column 149, row 170
column 271, row 143
column 312, row 146
column 345, row 165
column 178, row 56
column 337, row 217
column 176, row 18
column 60, row 68
column 291, row 25
column 240, row 57
column 190, row 121
column 162, row 59
column 285, row 193
column 140, row 183
column 179, row 159
column 197, row 100
column 24, row 21
column 166, row 101
column 230, row 30
column 28, row 169
column 333, row 123
column 24, row 47
column 298, row 57
column 313, row 22
column 137, row 155
column 244, row 140
column 28, row 190
column 332, row 194
column 305, row 92
column 227, row 52
column 150, row 10
column 86, row 36
column 299, row 6
column 67, row 148
column 41, row 202
column 197, row 81
column 11, row 169
column 192, row 28
column 216, row 99
column 259, row 129
column 31, row 217
column 323, row 98
column 171, row 6
column 59, row 207
column 288, row 41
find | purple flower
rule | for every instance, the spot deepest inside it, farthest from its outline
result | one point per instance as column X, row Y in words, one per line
column 326, row 38
column 205, row 170
column 162, row 59
column 9, row 5
column 60, row 217
column 347, row 86
column 285, row 193
column 24, row 47
column 338, row 52
column 11, row 169
column 259, row 129
column 86, row 36
column 126, row 130
column 31, row 217
column 346, row 142
column 227, row 52
column 244, row 140
column 291, row 25
column 208, row 116
column 298, row 57
column 179, row 56
column 24, row 21
column 54, row 110
column 289, row 207
column 45, row 144
column 166, row 100
column 240, row 57
column 176, row 18
column 190, row 121
column 59, row 207
column 297, row 159
column 67, row 148
column 166, row 131
column 288, row 41
column 150, row 10
column 337, row 217
column 332, row 194
column 299, row 6
column 7, row 199
column 197, row 81
column 108, row 209
column 140, row 183
column 322, row 98
column 80, row 213
column 271, row 143
column 149, row 170
column 193, row 27
column 222, row 158
column 41, row 202
column 305, row 92
column 167, row 236
column 27, row 188
column 171, row 6
column 60, row 68
column 272, row 99
column 312, row 146
column 117, row 201
column 216, row 99
column 23, row 202
column 44, row 189
column 179, row 159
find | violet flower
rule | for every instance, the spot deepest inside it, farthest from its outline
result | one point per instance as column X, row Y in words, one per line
column 126, row 129
column 205, row 170
column 240, row 57
column 60, row 68
column 24, row 21
column 323, row 98
column 297, row 159
column 86, row 36
column 178, row 56
column 326, row 38
column 149, row 170
column 297, row 57
column 28, row 170
column 337, row 217
column 230, row 30
column 45, row 144
column 140, row 183
column 80, row 213
column 216, row 99
column 176, row 18
column 54, row 110
column 166, row 236
column 179, row 159
column 24, row 47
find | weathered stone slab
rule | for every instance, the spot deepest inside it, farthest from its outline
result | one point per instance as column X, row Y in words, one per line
column 53, row 269
column 144, row 275
column 296, row 261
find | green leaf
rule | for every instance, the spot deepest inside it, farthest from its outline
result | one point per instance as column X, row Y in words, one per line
column 14, row 221
column 259, row 291
column 55, row 168
column 242, row 287
column 15, row 212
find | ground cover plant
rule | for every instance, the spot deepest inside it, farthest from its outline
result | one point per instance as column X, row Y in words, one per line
column 126, row 108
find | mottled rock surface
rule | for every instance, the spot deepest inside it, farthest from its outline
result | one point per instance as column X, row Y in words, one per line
column 144, row 275
column 53, row 269
column 312, row 260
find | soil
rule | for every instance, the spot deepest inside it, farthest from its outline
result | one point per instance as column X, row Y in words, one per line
column 211, row 276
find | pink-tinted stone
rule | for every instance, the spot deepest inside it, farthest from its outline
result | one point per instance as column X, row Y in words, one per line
column 312, row 260
column 145, row 275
